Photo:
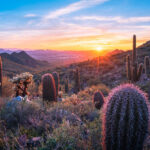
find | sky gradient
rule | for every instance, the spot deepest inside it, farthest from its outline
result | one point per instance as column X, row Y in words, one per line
column 73, row 24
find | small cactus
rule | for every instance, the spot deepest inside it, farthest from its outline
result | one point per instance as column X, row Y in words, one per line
column 49, row 88
column 125, row 122
column 147, row 65
column 1, row 76
column 77, row 81
column 98, row 100
column 56, row 78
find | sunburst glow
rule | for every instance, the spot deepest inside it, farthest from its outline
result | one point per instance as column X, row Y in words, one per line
column 99, row 49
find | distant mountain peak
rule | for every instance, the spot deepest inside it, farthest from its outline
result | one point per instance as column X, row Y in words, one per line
column 22, row 58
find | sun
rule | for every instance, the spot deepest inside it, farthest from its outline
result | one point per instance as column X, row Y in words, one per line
column 99, row 49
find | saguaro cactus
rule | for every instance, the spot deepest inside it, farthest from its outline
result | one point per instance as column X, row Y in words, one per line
column 49, row 88
column 1, row 76
column 77, row 81
column 66, row 86
column 125, row 121
column 147, row 65
column 56, row 78
column 98, row 100
column 134, row 55
column 128, row 67
column 140, row 70
column 134, row 71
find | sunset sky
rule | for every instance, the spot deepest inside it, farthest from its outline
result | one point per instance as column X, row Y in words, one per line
column 73, row 24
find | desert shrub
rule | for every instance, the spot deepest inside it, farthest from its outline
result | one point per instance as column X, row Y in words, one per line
column 18, row 113
column 94, row 128
column 67, row 137
column 88, row 93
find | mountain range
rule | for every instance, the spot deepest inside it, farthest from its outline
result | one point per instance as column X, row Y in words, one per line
column 14, row 63
column 40, row 60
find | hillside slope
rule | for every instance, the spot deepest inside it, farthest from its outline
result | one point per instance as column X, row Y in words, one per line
column 111, row 72
column 21, row 62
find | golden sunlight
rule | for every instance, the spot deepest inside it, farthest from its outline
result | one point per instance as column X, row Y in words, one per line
column 99, row 49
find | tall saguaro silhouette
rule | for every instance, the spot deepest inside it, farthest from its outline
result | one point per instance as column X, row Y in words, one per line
column 1, row 76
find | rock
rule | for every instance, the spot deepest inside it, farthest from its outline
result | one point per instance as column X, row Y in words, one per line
column 18, row 98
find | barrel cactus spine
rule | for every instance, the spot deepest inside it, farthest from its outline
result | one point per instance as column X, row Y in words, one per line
column 125, row 119
column 49, row 88
column 57, row 80
column 98, row 99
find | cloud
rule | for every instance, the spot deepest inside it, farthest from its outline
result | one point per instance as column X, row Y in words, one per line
column 30, row 15
column 73, row 7
column 115, row 19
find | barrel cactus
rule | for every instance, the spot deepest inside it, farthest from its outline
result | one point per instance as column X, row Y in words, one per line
column 98, row 100
column 125, row 121
column 56, row 78
column 49, row 88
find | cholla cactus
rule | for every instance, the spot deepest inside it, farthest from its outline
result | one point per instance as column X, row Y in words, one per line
column 125, row 121
column 49, row 88
column 22, row 81
column 98, row 100
column 56, row 78
column 22, row 78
